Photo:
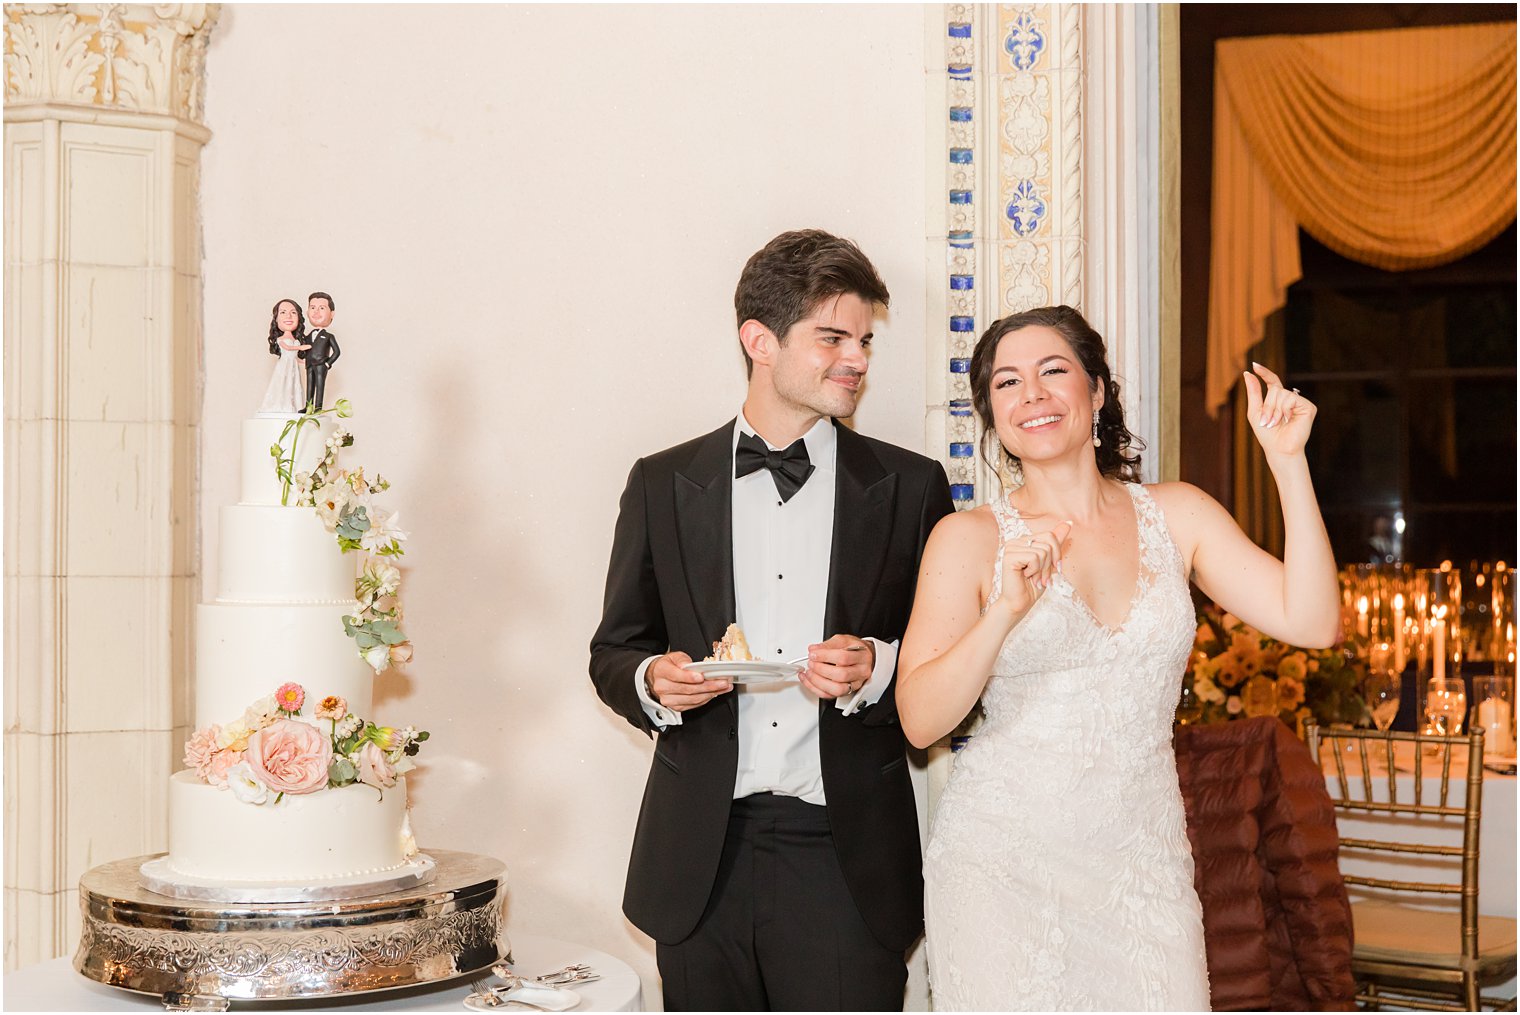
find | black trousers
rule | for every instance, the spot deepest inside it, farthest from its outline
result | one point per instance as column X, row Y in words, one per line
column 781, row 932
column 316, row 385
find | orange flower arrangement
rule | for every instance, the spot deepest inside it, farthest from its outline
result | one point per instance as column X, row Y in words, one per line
column 1238, row 672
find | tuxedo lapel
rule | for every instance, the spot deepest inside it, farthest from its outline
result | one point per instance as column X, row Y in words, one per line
column 704, row 524
column 864, row 496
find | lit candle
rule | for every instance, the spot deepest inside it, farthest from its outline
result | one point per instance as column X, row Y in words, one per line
column 1439, row 650
column 1493, row 716
column 1398, row 632
column 1361, row 616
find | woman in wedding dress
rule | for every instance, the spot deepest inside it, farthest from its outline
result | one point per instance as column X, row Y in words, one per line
column 287, row 340
column 1058, row 873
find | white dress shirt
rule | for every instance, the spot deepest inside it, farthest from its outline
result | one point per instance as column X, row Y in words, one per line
column 781, row 579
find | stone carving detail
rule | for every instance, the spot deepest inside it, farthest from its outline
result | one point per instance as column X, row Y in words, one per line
column 122, row 56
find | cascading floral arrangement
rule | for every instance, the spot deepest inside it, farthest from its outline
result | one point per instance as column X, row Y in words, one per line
column 1238, row 673
column 270, row 751
column 344, row 500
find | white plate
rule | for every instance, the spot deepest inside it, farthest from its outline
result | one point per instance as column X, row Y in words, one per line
column 746, row 672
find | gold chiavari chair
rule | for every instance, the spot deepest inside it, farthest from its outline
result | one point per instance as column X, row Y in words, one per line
column 1405, row 954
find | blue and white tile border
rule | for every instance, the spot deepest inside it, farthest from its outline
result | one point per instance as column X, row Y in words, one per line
column 1011, row 193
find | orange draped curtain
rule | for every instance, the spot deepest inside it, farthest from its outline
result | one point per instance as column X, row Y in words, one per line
column 1392, row 148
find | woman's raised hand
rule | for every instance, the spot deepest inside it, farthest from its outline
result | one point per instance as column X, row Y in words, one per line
column 1030, row 563
column 1280, row 418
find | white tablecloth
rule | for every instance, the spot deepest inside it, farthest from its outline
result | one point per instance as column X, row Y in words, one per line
column 55, row 986
column 1496, row 840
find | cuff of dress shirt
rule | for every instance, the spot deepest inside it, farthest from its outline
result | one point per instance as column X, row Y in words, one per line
column 881, row 676
column 662, row 716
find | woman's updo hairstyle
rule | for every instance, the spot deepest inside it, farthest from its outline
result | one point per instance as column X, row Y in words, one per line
column 1116, row 460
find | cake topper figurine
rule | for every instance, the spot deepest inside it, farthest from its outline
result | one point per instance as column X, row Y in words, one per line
column 324, row 351
column 287, row 340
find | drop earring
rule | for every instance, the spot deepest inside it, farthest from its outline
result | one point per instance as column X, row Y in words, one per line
column 1097, row 441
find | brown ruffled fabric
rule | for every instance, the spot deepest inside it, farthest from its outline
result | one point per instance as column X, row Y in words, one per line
column 1276, row 919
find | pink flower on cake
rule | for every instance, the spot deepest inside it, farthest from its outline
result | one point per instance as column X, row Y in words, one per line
column 223, row 762
column 375, row 768
column 332, row 707
column 401, row 653
column 200, row 749
column 290, row 697
column 290, row 756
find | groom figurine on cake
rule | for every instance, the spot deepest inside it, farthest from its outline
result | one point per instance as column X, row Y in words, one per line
column 324, row 351
column 776, row 859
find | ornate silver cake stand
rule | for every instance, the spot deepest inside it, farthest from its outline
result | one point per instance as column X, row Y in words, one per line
column 184, row 949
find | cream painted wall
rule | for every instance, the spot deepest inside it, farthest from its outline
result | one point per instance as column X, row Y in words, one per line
column 532, row 220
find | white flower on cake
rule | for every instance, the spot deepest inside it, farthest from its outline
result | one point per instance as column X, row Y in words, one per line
column 233, row 736
column 408, row 842
column 344, row 501
column 245, row 786
column 333, row 500
column 733, row 647
column 383, row 535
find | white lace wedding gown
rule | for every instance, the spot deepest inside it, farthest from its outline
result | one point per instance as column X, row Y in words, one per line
column 287, row 385
column 1058, row 874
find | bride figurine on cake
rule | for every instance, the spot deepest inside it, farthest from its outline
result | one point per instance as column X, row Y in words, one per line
column 287, row 340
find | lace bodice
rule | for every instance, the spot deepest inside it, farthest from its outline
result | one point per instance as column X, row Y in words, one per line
column 1059, row 658
column 1058, row 873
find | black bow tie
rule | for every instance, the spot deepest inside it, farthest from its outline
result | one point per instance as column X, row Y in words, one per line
column 789, row 468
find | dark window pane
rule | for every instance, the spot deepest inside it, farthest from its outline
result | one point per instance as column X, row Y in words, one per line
column 1354, row 453
column 1461, row 439
column 1431, row 536
column 1480, row 325
column 1414, row 451
column 1335, row 331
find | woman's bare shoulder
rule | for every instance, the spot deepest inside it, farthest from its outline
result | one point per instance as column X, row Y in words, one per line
column 1180, row 498
column 973, row 532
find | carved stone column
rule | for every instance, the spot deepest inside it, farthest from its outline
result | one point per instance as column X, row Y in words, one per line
column 103, row 104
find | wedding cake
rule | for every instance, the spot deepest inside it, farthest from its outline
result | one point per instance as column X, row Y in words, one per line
column 287, row 782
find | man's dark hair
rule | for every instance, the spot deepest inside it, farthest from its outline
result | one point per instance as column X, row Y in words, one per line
column 321, row 296
column 791, row 275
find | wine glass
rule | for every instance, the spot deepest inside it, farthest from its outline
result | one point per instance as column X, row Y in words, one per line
column 1189, row 705
column 1446, row 705
column 1381, row 686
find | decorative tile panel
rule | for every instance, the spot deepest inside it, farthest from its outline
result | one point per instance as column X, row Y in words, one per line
column 1012, row 127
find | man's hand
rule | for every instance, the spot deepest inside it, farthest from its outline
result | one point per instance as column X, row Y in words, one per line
column 839, row 666
column 678, row 689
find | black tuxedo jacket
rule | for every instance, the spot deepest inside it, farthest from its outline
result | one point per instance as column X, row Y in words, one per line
column 670, row 587
column 324, row 351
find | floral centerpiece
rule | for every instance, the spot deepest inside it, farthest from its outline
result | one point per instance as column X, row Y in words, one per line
column 345, row 501
column 1238, row 672
column 270, row 750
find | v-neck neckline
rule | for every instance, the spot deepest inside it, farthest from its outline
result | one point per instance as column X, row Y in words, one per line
column 1141, row 582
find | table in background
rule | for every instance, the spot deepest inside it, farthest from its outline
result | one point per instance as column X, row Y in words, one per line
column 55, row 986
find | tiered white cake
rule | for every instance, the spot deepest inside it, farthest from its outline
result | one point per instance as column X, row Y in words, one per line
column 283, row 588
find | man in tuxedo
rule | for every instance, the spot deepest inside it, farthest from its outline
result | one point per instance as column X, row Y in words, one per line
column 324, row 351
column 776, row 860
